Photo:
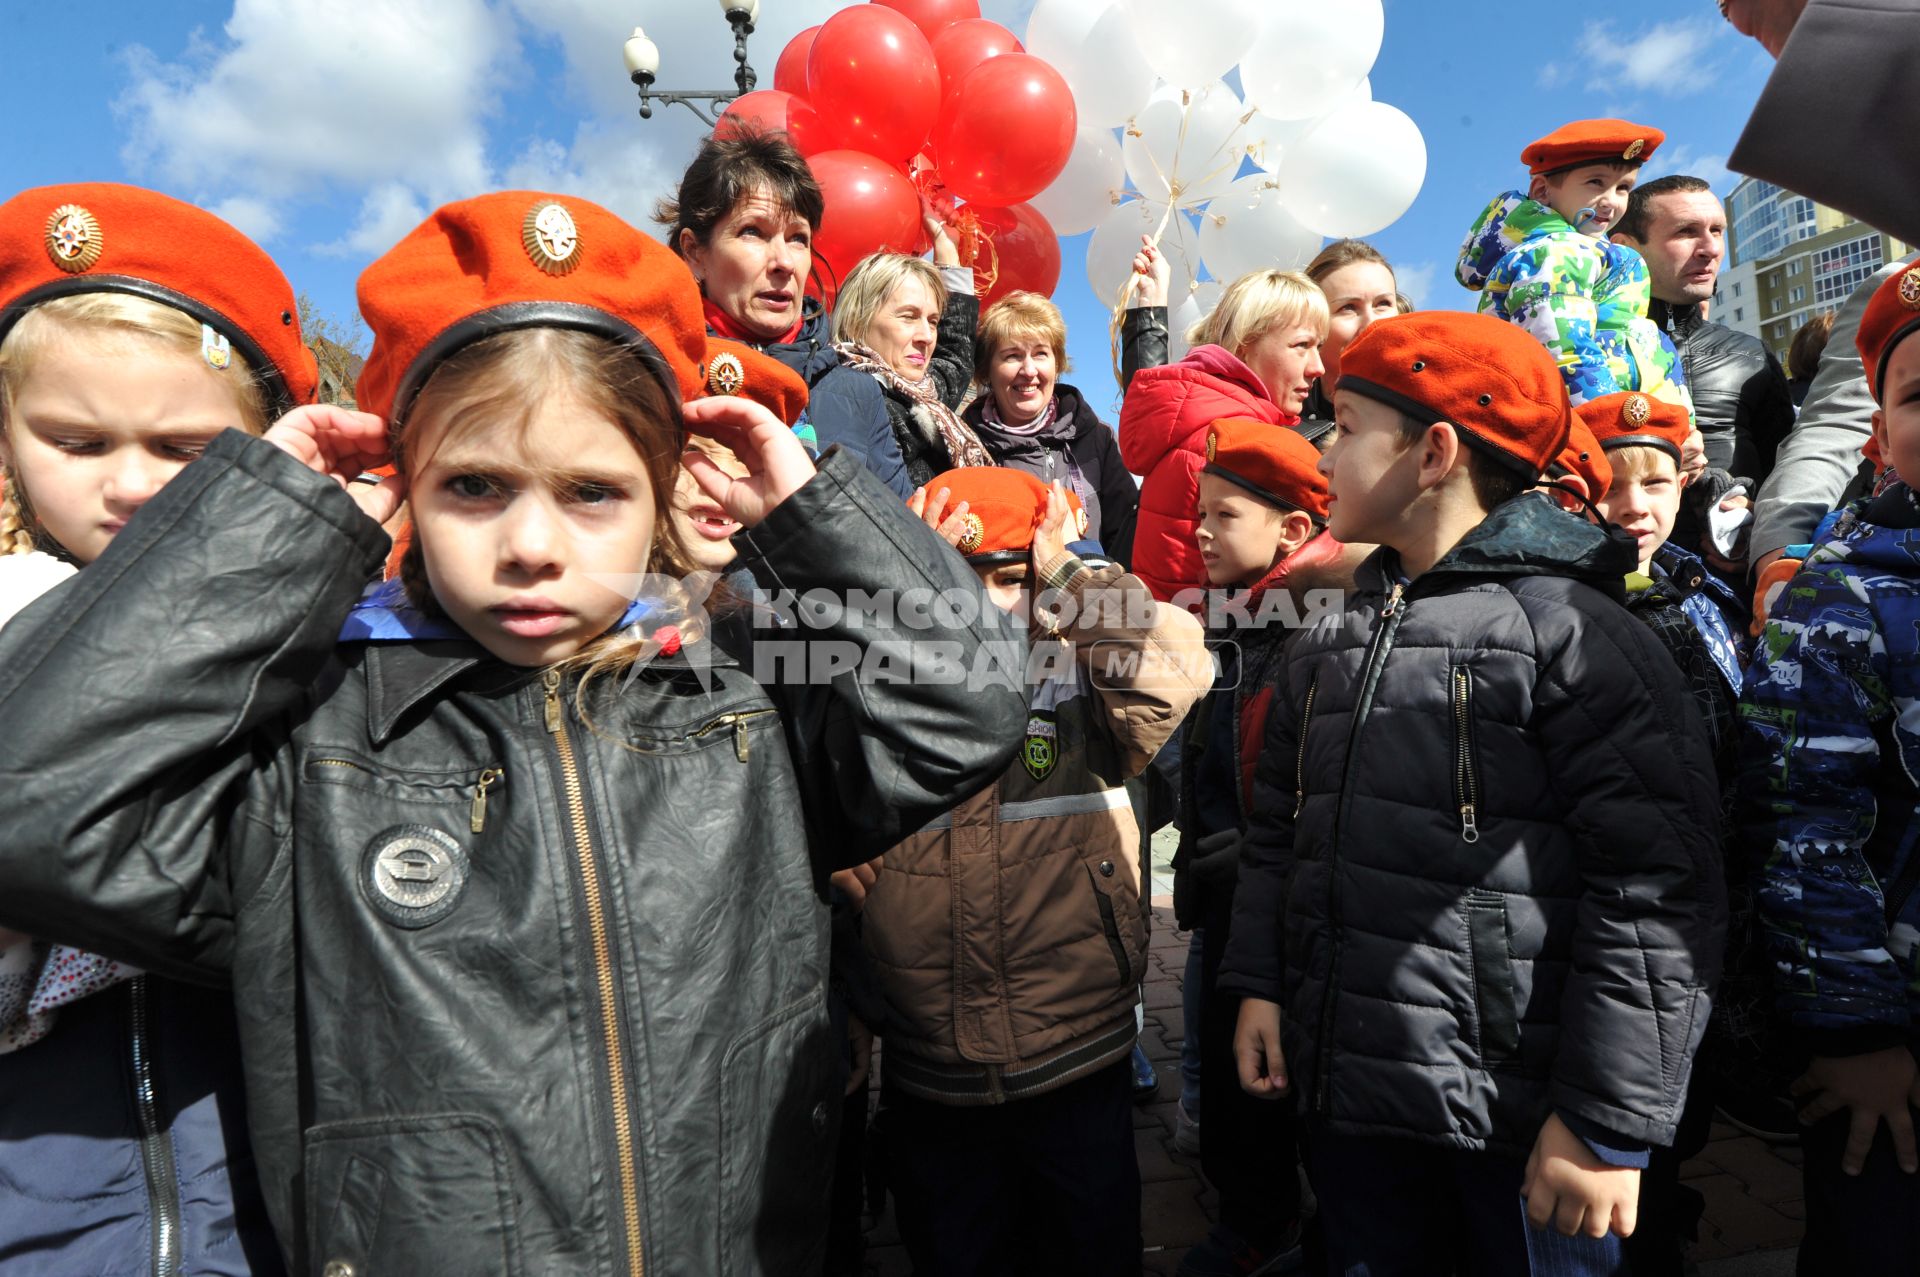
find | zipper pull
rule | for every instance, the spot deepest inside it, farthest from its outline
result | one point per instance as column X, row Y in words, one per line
column 1299, row 801
column 740, row 739
column 488, row 779
column 1469, row 831
column 1393, row 601
column 551, row 681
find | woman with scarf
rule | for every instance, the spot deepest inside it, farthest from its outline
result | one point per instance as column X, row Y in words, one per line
column 909, row 325
column 1030, row 420
column 743, row 221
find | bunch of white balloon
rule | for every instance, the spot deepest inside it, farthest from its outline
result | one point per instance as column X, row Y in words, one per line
column 1327, row 160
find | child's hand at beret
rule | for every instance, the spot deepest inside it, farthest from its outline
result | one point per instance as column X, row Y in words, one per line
column 777, row 464
column 342, row 445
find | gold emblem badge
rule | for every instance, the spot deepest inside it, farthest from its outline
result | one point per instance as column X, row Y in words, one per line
column 552, row 240
column 973, row 533
column 1634, row 150
column 1213, row 443
column 725, row 376
column 1910, row 289
column 73, row 238
column 1636, row 411
column 1080, row 520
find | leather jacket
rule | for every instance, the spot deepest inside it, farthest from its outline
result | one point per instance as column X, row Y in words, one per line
column 530, row 979
column 1740, row 397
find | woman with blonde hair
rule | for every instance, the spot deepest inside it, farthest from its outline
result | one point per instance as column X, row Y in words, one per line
column 1029, row 419
column 1255, row 356
column 909, row 325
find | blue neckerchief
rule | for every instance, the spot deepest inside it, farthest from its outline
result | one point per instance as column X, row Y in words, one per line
column 1713, row 608
column 383, row 615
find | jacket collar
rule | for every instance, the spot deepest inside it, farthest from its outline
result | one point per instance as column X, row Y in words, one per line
column 1526, row 536
column 1681, row 319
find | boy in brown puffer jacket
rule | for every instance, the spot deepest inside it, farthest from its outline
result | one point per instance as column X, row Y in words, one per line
column 1010, row 935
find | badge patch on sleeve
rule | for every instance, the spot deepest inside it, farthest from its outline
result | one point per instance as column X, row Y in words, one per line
column 413, row 874
column 1040, row 752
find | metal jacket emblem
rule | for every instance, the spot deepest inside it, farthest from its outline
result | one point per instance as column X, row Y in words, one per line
column 73, row 238
column 413, row 874
column 551, row 238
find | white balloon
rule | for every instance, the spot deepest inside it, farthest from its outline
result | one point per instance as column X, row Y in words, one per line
column 1195, row 306
column 1186, row 145
column 1193, row 42
column 1309, row 57
column 1268, row 139
column 1116, row 240
column 1356, row 171
column 1093, row 48
column 1088, row 187
column 1250, row 229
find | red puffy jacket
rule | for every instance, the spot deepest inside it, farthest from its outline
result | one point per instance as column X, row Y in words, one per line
column 1163, row 438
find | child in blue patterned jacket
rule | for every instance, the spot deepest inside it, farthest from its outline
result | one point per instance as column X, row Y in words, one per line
column 1541, row 259
column 1830, row 751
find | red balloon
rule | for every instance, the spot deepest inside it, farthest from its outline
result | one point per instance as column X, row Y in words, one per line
column 777, row 112
column 790, row 73
column 1026, row 252
column 935, row 16
column 872, row 77
column 965, row 45
column 870, row 207
column 1006, row 132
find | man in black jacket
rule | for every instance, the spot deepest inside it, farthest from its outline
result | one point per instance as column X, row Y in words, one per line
column 1482, row 877
column 1740, row 397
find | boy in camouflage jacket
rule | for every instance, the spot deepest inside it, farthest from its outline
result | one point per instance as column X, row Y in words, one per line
column 1830, row 753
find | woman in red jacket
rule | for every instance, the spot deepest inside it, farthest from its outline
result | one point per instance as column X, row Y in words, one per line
column 1257, row 356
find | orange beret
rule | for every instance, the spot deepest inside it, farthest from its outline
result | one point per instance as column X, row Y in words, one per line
column 102, row 237
column 735, row 368
column 1592, row 142
column 1494, row 382
column 1004, row 507
column 1630, row 419
column 1584, row 456
column 521, row 259
column 1275, row 464
column 1892, row 315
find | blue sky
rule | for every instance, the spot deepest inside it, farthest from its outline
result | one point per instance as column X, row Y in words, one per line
column 327, row 130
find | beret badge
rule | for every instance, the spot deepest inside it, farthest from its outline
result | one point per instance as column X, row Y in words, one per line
column 1910, row 289
column 552, row 239
column 973, row 532
column 1636, row 411
column 725, row 376
column 1634, row 149
column 1213, row 443
column 73, row 238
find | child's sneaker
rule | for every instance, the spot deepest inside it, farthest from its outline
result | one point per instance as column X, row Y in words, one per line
column 1226, row 1253
column 1146, row 1082
column 1186, row 1131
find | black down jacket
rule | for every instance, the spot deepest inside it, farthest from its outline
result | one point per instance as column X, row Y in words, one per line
column 1482, row 876
column 521, row 989
column 1741, row 400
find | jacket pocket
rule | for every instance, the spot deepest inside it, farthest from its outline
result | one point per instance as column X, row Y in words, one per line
column 1466, row 761
column 779, row 1118
column 1100, row 876
column 411, row 1195
column 1492, row 961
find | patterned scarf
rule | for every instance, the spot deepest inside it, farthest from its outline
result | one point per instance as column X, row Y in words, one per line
column 991, row 411
column 962, row 445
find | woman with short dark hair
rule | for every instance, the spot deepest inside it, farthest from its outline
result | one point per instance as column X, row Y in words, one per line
column 743, row 220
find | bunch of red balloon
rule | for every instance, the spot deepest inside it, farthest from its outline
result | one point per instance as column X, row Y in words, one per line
column 896, row 97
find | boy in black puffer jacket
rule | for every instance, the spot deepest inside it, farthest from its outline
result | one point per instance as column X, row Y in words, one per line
column 1487, row 832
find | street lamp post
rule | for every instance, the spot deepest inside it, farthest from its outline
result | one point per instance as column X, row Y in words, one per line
column 643, row 65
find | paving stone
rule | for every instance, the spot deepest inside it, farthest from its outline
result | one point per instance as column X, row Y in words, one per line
column 1741, row 1222
column 1157, row 1162
column 1752, row 1162
column 1170, row 1217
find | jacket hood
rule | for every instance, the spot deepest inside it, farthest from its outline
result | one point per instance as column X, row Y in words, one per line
column 1878, row 533
column 1529, row 536
column 1502, row 226
column 1166, row 406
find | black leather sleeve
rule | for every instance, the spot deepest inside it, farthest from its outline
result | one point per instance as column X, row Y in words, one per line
column 137, row 702
column 952, row 364
column 1143, row 341
column 928, row 705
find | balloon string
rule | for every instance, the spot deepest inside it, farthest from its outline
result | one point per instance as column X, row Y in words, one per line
column 971, row 239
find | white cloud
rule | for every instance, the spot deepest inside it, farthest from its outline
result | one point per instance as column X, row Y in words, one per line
column 256, row 218
column 1553, row 75
column 301, row 94
column 387, row 213
column 1415, row 279
column 1670, row 57
column 1694, row 162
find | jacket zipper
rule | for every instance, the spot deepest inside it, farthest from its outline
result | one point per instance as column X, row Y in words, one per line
column 738, row 722
column 156, row 1144
column 603, row 972
column 338, row 762
column 488, row 779
column 1377, row 649
column 1466, row 783
column 1300, row 763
